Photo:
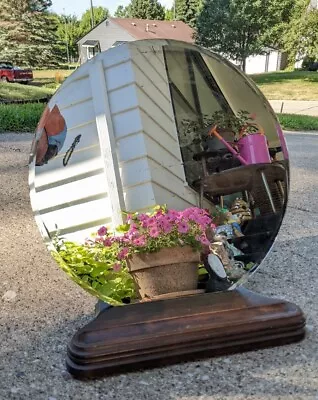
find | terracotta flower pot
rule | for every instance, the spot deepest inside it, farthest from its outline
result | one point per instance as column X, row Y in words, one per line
column 169, row 270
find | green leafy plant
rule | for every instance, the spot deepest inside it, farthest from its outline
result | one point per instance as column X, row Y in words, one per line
column 194, row 132
column 100, row 265
column 92, row 267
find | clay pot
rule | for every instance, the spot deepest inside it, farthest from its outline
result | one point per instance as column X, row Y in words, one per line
column 166, row 271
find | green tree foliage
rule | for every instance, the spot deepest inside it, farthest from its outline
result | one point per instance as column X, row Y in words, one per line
column 240, row 28
column 28, row 33
column 68, row 33
column 169, row 14
column 146, row 9
column 100, row 13
column 187, row 11
column 121, row 12
column 301, row 36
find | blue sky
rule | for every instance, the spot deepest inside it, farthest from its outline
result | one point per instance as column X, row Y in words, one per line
column 77, row 7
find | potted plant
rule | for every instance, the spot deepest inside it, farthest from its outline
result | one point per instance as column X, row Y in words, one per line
column 160, row 251
column 228, row 124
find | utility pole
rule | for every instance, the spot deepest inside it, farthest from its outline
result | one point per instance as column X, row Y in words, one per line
column 92, row 15
column 174, row 10
column 66, row 39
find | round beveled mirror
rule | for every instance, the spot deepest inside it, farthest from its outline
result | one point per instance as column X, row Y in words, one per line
column 158, row 123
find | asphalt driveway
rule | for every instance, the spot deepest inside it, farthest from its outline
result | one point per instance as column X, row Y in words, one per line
column 42, row 308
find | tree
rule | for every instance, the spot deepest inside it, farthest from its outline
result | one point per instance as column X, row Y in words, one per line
column 100, row 14
column 169, row 14
column 239, row 28
column 146, row 9
column 121, row 12
column 301, row 36
column 68, row 33
column 28, row 33
column 187, row 11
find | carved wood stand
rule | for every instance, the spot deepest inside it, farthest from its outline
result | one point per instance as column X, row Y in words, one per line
column 162, row 332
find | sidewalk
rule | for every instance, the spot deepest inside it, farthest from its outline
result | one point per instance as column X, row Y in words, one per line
column 295, row 107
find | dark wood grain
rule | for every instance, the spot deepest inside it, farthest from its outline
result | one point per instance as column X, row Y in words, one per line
column 161, row 332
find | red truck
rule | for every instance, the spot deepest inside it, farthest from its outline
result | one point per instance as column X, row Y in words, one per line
column 9, row 73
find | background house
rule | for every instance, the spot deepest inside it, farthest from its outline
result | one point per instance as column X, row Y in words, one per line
column 115, row 31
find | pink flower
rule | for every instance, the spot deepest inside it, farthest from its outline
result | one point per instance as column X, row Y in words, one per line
column 166, row 227
column 102, row 231
column 203, row 240
column 107, row 242
column 140, row 242
column 116, row 267
column 183, row 227
column 154, row 231
column 123, row 253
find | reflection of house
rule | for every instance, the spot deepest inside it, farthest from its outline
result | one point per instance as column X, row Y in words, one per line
column 126, row 111
column 115, row 31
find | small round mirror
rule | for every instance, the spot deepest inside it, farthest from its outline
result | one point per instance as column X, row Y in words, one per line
column 158, row 169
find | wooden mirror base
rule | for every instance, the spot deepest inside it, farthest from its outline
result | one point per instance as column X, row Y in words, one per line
column 162, row 332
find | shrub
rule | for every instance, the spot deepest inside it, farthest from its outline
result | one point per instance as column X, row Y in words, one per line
column 20, row 117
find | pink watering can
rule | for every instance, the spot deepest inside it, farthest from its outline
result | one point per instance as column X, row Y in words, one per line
column 253, row 148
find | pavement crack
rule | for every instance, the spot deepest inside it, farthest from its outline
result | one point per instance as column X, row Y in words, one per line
column 303, row 209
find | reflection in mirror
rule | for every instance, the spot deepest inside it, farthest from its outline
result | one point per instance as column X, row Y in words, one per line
column 158, row 123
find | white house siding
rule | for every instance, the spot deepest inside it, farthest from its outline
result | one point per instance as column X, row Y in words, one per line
column 128, row 157
column 262, row 63
column 107, row 33
column 73, row 199
column 144, row 127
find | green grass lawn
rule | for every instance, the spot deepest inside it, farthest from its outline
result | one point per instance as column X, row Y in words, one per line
column 296, row 122
column 295, row 85
column 16, row 91
column 45, row 84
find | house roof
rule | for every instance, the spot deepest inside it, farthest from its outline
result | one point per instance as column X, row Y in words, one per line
column 90, row 43
column 176, row 30
column 152, row 29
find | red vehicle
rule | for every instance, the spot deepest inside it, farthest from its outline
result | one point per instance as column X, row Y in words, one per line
column 9, row 73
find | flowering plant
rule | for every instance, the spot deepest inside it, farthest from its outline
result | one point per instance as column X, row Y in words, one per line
column 146, row 233
column 99, row 265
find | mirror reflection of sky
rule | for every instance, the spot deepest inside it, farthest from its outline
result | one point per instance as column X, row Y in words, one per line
column 78, row 7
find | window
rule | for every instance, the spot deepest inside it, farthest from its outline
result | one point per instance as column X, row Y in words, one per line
column 195, row 98
column 92, row 48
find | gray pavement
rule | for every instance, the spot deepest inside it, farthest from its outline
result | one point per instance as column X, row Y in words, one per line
column 46, row 308
column 295, row 107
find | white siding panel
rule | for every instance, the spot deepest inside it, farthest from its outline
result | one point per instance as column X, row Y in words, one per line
column 135, row 172
column 153, row 56
column 79, row 114
column 151, row 107
column 131, row 147
column 119, row 75
column 76, row 92
column 73, row 191
column 78, row 157
column 123, row 99
column 139, row 197
column 89, row 137
column 155, row 93
column 164, row 196
column 156, row 152
column 72, row 171
column 127, row 123
column 77, row 215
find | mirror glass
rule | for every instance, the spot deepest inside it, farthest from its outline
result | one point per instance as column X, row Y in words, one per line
column 177, row 147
